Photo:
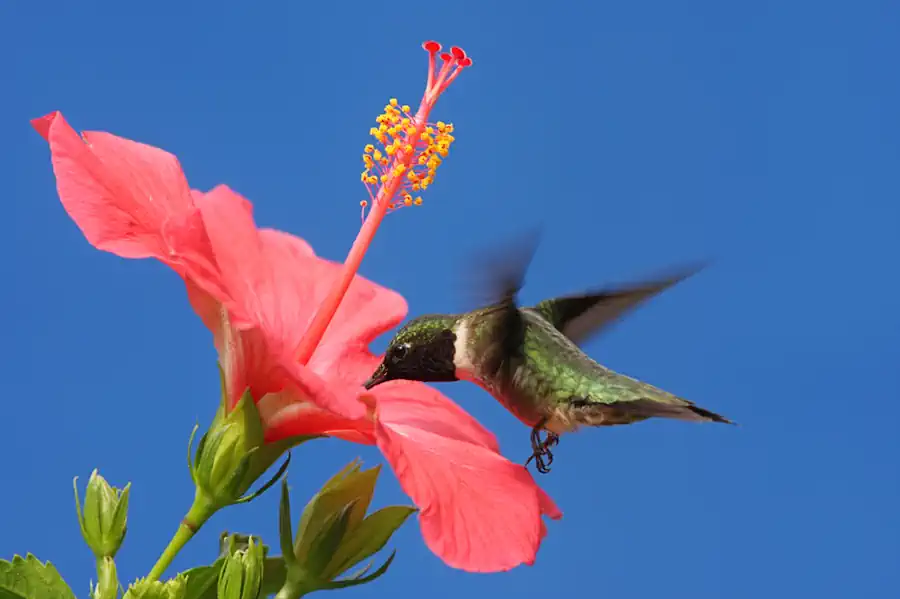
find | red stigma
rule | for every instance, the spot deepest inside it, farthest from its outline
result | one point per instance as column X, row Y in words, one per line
column 458, row 53
column 431, row 46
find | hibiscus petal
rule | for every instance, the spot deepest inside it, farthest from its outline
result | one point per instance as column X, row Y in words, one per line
column 235, row 242
column 119, row 202
column 277, row 283
column 128, row 198
column 288, row 413
column 271, row 276
column 367, row 311
column 342, row 357
column 479, row 511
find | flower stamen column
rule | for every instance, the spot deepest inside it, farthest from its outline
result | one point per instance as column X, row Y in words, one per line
column 413, row 150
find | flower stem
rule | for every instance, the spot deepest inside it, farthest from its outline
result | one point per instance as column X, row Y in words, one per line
column 107, row 579
column 200, row 512
column 291, row 591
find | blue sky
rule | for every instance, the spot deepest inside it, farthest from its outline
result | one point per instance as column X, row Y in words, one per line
column 643, row 134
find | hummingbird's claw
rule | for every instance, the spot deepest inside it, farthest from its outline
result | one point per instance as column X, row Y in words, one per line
column 541, row 453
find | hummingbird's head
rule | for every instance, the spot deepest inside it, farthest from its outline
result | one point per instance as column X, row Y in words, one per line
column 422, row 350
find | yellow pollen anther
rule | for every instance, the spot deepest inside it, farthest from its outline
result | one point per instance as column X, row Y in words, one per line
column 406, row 156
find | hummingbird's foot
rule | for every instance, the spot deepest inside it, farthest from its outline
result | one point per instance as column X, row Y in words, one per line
column 541, row 453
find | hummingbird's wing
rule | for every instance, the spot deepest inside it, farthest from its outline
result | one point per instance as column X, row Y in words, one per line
column 504, row 271
column 578, row 317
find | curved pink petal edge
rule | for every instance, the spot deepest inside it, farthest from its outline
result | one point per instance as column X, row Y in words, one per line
column 129, row 199
column 479, row 511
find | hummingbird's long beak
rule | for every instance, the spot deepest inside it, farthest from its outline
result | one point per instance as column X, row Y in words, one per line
column 377, row 378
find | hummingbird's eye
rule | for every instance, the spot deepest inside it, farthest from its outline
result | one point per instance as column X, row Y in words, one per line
column 399, row 352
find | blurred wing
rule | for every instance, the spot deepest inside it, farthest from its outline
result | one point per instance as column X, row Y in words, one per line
column 503, row 275
column 578, row 317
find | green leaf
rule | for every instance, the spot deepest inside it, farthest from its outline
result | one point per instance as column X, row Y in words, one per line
column 28, row 578
column 201, row 581
column 370, row 536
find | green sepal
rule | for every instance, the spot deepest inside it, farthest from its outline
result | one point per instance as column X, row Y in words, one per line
column 334, row 533
column 28, row 578
column 265, row 487
column 349, row 486
column 229, row 542
column 368, row 538
column 241, row 576
column 190, row 453
column 326, row 543
column 355, row 580
column 144, row 588
column 285, row 534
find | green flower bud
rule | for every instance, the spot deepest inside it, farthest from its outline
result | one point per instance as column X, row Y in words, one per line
column 335, row 534
column 103, row 521
column 154, row 589
column 242, row 573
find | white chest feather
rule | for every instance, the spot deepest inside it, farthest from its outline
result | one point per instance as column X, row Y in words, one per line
column 462, row 359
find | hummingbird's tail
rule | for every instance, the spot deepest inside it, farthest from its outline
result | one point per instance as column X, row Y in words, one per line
column 629, row 400
column 698, row 413
column 669, row 407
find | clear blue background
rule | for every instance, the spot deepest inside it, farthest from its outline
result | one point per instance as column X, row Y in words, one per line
column 644, row 134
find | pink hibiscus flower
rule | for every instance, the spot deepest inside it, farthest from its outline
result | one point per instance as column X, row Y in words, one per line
column 295, row 328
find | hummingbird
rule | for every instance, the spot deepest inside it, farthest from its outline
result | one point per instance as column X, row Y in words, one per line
column 529, row 359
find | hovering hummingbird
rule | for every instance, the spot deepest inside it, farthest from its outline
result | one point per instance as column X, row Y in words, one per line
column 528, row 358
